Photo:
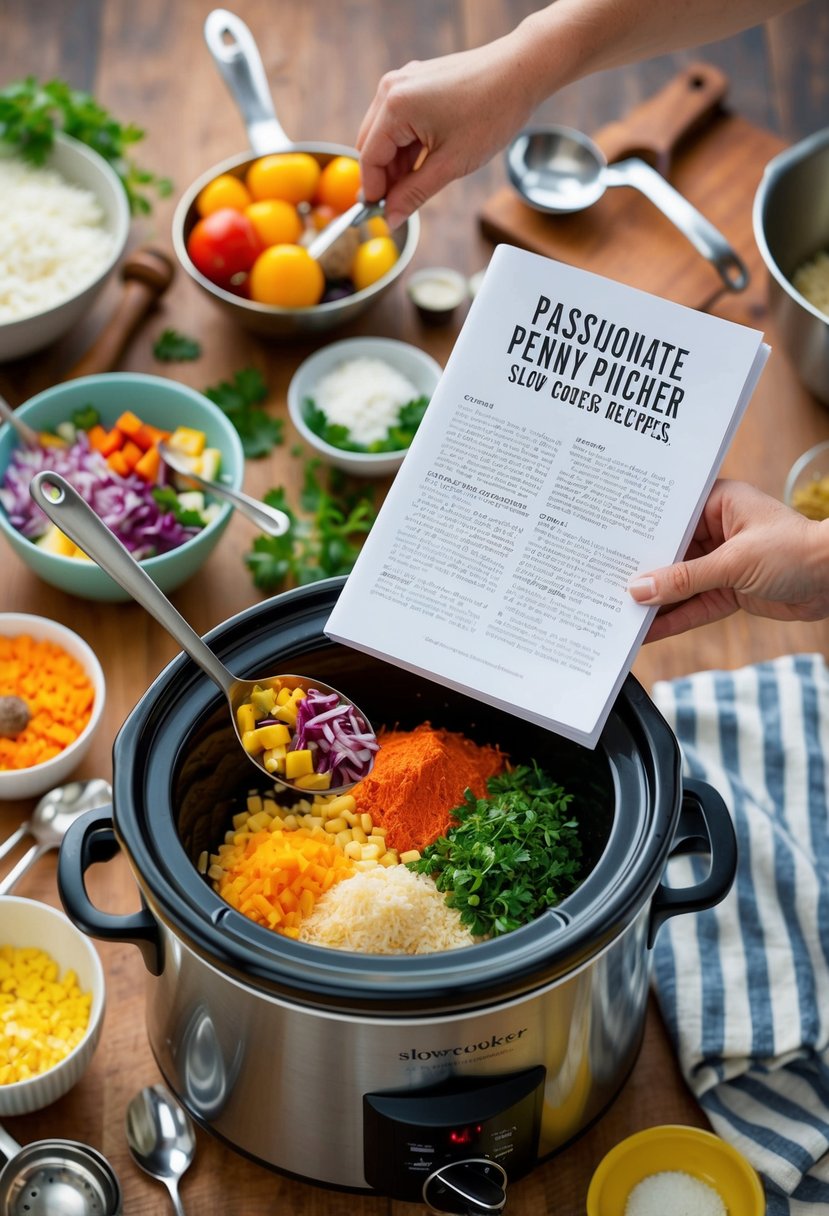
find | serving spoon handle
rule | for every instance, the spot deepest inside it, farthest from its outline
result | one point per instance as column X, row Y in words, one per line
column 67, row 509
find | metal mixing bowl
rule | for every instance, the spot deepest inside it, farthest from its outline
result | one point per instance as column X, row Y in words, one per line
column 791, row 226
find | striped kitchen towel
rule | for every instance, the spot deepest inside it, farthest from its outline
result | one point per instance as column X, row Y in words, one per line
column 744, row 987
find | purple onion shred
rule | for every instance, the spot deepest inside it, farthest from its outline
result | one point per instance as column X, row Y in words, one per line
column 341, row 741
column 125, row 504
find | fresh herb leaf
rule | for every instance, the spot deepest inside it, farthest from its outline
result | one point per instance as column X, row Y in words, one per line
column 322, row 542
column 239, row 399
column 84, row 419
column 31, row 113
column 168, row 500
column 173, row 347
column 338, row 436
column 511, row 855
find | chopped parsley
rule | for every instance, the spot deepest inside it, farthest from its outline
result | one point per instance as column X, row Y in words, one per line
column 173, row 347
column 239, row 399
column 398, row 436
column 512, row 854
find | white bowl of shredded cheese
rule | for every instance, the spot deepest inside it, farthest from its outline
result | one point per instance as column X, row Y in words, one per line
column 362, row 388
column 65, row 225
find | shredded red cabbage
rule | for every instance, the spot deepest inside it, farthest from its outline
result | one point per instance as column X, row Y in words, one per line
column 125, row 504
column 341, row 741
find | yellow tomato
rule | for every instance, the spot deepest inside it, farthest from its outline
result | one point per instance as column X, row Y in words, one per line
column 224, row 191
column 377, row 226
column 339, row 183
column 287, row 276
column 321, row 216
column 275, row 221
column 372, row 260
column 291, row 176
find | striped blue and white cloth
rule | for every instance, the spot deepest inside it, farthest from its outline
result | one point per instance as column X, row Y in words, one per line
column 744, row 987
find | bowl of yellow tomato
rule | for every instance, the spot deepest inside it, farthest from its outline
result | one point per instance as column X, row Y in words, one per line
column 243, row 229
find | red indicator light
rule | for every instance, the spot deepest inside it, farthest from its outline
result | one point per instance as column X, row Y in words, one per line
column 462, row 1135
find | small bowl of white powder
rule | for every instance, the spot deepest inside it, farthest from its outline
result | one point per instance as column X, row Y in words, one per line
column 358, row 403
column 65, row 225
column 674, row 1170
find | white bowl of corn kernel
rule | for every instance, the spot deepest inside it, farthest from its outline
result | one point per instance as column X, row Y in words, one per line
column 47, row 967
column 807, row 485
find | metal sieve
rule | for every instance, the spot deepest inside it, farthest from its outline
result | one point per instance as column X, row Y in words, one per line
column 56, row 1178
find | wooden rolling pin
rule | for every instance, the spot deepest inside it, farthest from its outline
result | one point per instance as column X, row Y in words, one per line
column 147, row 273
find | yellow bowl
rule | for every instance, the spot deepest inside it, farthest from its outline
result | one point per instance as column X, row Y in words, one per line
column 690, row 1150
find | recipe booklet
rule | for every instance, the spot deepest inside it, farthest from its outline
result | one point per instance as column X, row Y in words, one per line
column 571, row 443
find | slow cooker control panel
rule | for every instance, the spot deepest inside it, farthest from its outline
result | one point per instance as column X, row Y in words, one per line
column 411, row 1135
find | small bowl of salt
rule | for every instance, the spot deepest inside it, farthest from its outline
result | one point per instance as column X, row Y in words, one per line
column 674, row 1168
column 358, row 403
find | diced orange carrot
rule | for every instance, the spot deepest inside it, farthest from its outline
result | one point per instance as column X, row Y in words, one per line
column 129, row 423
column 97, row 436
column 118, row 464
column 147, row 467
column 148, row 436
column 113, row 441
column 132, row 454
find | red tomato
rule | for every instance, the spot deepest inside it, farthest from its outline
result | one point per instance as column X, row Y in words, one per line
column 223, row 244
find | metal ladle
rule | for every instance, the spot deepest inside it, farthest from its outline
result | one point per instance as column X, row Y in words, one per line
column 269, row 519
column 161, row 1138
column 56, row 1178
column 68, row 510
column 50, row 820
column 560, row 170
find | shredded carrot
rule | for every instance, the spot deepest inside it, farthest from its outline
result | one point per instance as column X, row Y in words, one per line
column 58, row 694
column 419, row 777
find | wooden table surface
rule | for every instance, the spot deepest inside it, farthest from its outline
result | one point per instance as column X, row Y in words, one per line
column 148, row 63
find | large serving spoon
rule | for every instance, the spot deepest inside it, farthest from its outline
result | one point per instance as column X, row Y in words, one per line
column 68, row 510
column 268, row 519
column 161, row 1138
column 50, row 820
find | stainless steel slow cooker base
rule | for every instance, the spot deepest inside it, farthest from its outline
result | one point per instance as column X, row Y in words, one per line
column 502, row 1051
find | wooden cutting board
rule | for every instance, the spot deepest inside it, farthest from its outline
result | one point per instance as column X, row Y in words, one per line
column 713, row 157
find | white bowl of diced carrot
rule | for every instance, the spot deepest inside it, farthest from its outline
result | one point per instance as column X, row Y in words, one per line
column 52, row 1001
column 52, row 693
column 130, row 411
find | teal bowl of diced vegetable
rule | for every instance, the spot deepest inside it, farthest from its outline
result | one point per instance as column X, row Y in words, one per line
column 106, row 428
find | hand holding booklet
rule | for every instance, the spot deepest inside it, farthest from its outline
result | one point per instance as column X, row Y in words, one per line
column 571, row 443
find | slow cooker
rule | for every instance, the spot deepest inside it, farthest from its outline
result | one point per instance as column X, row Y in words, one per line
column 437, row 1077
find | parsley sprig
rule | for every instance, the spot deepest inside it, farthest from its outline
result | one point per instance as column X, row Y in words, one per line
column 175, row 347
column 31, row 113
column 511, row 855
column 398, row 436
column 240, row 399
column 322, row 542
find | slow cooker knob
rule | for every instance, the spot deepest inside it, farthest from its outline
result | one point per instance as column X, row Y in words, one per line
column 474, row 1187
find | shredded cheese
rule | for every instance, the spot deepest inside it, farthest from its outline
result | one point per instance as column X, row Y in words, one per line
column 387, row 910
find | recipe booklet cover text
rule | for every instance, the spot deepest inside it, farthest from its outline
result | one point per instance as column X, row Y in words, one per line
column 570, row 444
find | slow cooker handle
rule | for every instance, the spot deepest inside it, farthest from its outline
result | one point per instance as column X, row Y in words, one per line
column 91, row 839
column 704, row 826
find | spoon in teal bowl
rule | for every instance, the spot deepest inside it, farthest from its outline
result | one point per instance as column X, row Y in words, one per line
column 269, row 519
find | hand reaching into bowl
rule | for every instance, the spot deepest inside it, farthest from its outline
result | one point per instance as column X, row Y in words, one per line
column 749, row 551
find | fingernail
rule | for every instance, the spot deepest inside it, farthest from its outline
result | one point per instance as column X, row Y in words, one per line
column 394, row 219
column 643, row 590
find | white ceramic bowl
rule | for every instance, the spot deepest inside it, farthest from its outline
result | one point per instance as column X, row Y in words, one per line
column 31, row 782
column 412, row 362
column 27, row 922
column 81, row 166
column 807, row 483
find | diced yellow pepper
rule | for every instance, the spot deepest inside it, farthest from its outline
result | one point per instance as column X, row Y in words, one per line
column 264, row 699
column 283, row 696
column 298, row 764
column 245, row 718
column 186, row 439
column 313, row 781
column 264, row 737
column 286, row 713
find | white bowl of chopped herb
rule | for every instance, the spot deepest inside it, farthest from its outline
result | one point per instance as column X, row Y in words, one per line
column 359, row 402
